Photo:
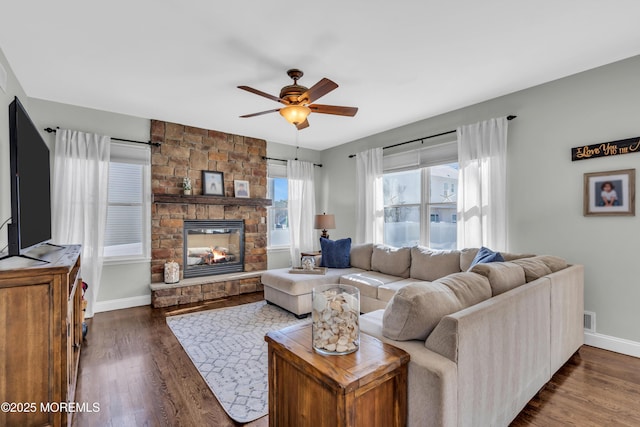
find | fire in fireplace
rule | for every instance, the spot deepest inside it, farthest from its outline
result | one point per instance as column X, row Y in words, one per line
column 213, row 247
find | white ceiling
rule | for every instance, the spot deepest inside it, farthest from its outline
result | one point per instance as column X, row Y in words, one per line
column 399, row 62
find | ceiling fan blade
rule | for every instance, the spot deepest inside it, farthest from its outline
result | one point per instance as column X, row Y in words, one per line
column 303, row 125
column 260, row 113
column 319, row 89
column 261, row 93
column 333, row 109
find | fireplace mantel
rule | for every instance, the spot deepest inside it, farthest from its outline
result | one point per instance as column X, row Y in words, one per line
column 210, row 200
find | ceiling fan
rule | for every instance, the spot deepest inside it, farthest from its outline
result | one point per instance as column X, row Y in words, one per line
column 298, row 101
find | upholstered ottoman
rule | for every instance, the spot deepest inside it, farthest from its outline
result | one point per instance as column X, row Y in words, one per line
column 292, row 291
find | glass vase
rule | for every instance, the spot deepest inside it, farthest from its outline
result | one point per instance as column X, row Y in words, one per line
column 335, row 319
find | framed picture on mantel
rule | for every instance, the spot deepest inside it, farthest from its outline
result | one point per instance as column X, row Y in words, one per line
column 212, row 183
column 610, row 193
column 241, row 188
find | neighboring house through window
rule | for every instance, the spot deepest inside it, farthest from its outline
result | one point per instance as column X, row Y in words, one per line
column 420, row 198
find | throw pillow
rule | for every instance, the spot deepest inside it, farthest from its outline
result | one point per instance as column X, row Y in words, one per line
column 486, row 255
column 335, row 253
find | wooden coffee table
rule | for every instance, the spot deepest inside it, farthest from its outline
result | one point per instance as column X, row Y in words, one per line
column 367, row 388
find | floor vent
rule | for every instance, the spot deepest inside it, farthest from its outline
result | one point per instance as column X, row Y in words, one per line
column 590, row 321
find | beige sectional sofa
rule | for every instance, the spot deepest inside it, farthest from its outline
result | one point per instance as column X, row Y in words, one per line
column 378, row 271
column 482, row 342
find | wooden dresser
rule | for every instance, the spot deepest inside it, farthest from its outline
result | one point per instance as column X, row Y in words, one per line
column 367, row 388
column 40, row 335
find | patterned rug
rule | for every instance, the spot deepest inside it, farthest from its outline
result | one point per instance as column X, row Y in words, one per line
column 227, row 347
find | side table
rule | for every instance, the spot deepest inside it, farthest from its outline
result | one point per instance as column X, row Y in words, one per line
column 366, row 388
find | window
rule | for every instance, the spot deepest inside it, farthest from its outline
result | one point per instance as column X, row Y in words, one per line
column 128, row 211
column 441, row 182
column 412, row 196
column 402, row 200
column 278, row 212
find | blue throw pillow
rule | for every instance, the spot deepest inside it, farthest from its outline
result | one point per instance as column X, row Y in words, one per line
column 335, row 254
column 486, row 255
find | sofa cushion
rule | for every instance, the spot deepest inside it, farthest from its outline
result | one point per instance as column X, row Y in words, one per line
column 554, row 263
column 388, row 290
column 417, row 308
column 508, row 256
column 367, row 282
column 392, row 261
column 361, row 255
column 503, row 276
column 533, row 268
column 302, row 284
column 486, row 255
column 335, row 254
column 429, row 265
column 466, row 258
column 470, row 288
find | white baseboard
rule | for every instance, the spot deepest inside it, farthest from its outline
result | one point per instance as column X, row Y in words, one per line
column 618, row 345
column 118, row 304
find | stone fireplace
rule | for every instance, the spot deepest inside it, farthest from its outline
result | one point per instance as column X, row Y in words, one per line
column 187, row 152
column 213, row 247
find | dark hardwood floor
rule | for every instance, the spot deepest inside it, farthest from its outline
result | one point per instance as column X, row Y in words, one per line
column 135, row 369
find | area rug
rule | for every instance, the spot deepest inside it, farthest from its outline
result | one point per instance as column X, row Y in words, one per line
column 227, row 347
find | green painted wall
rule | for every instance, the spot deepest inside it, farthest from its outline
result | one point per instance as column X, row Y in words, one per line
column 545, row 188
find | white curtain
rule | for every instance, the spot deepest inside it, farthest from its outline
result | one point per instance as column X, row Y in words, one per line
column 302, row 208
column 370, row 204
column 482, row 204
column 79, row 200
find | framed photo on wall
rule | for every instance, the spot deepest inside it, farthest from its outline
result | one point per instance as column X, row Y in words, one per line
column 212, row 183
column 241, row 188
column 610, row 193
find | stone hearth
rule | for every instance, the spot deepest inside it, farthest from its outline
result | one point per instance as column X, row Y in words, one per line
column 187, row 151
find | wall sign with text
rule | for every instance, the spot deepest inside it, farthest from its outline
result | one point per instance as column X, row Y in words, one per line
column 605, row 149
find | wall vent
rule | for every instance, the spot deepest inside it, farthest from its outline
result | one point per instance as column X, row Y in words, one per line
column 590, row 321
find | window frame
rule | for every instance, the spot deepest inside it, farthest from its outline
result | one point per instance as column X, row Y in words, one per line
column 275, row 171
column 140, row 155
column 425, row 215
column 423, row 159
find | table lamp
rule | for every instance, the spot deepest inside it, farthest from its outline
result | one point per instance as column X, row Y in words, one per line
column 325, row 222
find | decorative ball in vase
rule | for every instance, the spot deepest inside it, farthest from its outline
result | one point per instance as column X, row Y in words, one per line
column 308, row 263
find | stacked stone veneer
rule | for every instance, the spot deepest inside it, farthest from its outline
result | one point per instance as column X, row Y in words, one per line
column 187, row 151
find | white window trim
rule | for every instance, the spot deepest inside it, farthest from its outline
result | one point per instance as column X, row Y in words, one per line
column 275, row 170
column 423, row 163
column 137, row 154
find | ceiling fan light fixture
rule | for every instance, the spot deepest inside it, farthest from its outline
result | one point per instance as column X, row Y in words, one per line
column 295, row 114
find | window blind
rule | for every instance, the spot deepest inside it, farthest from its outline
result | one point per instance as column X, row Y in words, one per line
column 128, row 219
column 421, row 157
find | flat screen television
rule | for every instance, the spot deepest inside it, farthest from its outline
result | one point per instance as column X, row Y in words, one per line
column 30, row 183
